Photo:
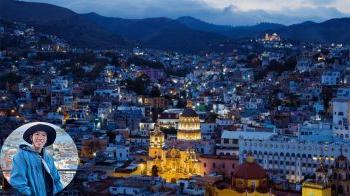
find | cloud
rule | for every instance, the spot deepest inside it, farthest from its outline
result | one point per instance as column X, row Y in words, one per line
column 320, row 2
column 232, row 12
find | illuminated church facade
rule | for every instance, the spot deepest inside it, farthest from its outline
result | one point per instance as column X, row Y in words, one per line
column 189, row 125
column 177, row 159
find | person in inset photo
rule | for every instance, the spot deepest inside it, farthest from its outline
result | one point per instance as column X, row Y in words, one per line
column 33, row 171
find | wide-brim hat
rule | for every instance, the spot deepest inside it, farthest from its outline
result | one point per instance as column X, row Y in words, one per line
column 50, row 131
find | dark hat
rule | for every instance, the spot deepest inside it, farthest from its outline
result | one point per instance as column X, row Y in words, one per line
column 50, row 131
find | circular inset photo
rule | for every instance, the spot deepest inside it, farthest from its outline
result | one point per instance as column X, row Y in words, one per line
column 39, row 159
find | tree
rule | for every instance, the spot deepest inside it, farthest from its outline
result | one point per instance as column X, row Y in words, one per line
column 290, row 63
column 9, row 78
column 96, row 71
column 111, row 136
column 211, row 117
column 327, row 95
column 145, row 63
column 139, row 85
column 155, row 92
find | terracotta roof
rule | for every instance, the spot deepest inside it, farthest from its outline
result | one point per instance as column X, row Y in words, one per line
column 250, row 170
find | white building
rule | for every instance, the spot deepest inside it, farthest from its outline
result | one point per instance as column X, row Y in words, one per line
column 220, row 109
column 59, row 84
column 207, row 129
column 169, row 118
column 304, row 65
column 229, row 144
column 225, row 122
column 309, row 129
column 107, row 93
column 253, row 103
column 190, row 187
column 330, row 78
column 126, row 190
column 145, row 127
column 291, row 158
column 343, row 92
column 122, row 152
column 341, row 116
column 104, row 110
column 68, row 100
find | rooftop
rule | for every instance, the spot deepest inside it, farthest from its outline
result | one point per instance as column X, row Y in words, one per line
column 247, row 135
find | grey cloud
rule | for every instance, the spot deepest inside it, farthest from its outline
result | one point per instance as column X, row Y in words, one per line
column 320, row 2
column 169, row 8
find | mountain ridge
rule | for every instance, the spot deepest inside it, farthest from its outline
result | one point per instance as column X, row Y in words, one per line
column 186, row 33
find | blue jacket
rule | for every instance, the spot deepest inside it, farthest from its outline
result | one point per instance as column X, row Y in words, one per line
column 27, row 172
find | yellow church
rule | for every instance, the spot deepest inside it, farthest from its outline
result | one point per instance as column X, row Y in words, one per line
column 189, row 124
column 319, row 186
column 177, row 159
column 328, row 182
column 250, row 179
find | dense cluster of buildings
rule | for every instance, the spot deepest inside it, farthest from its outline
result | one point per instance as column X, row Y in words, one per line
column 267, row 118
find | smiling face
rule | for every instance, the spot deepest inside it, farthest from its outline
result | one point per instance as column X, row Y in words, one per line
column 39, row 139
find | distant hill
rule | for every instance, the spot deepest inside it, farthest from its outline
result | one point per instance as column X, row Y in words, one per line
column 160, row 33
column 334, row 30
column 32, row 12
column 195, row 23
column 184, row 34
column 238, row 32
column 61, row 22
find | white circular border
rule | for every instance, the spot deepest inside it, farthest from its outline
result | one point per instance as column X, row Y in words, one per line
column 63, row 150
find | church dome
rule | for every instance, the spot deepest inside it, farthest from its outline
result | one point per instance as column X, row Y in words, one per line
column 188, row 111
column 250, row 170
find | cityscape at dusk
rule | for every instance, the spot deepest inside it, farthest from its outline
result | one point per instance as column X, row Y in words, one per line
column 189, row 97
